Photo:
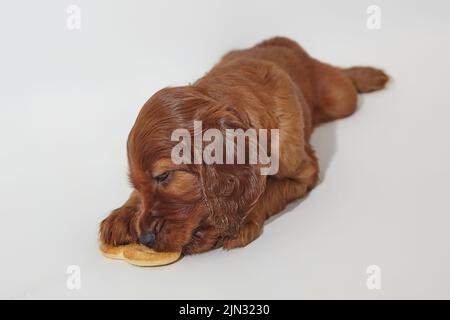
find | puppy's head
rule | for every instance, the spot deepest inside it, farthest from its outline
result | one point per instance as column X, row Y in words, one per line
column 189, row 207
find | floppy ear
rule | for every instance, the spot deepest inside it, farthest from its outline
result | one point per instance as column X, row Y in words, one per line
column 231, row 190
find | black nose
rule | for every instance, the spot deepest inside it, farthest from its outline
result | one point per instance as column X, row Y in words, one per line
column 147, row 239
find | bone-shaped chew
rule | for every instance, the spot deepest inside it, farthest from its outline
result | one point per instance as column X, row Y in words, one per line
column 139, row 255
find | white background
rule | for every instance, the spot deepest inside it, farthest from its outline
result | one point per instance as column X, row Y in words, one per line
column 69, row 98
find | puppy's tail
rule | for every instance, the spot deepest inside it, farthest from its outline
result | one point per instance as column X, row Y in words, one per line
column 366, row 79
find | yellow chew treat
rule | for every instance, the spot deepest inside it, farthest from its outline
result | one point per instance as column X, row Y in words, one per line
column 112, row 252
column 139, row 255
column 143, row 256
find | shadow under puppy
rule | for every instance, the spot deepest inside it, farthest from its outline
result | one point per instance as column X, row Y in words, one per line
column 195, row 207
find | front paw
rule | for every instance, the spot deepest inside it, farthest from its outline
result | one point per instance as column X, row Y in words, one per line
column 119, row 228
column 248, row 232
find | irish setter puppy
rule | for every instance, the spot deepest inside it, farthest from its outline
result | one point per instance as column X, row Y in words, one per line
column 198, row 207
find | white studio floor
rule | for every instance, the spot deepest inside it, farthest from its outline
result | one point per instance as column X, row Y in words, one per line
column 69, row 98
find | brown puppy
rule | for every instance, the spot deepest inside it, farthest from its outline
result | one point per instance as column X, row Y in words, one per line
column 197, row 207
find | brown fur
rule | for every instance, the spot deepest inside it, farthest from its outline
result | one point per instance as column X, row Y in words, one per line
column 274, row 84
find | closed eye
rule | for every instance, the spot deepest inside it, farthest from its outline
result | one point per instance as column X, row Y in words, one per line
column 162, row 177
